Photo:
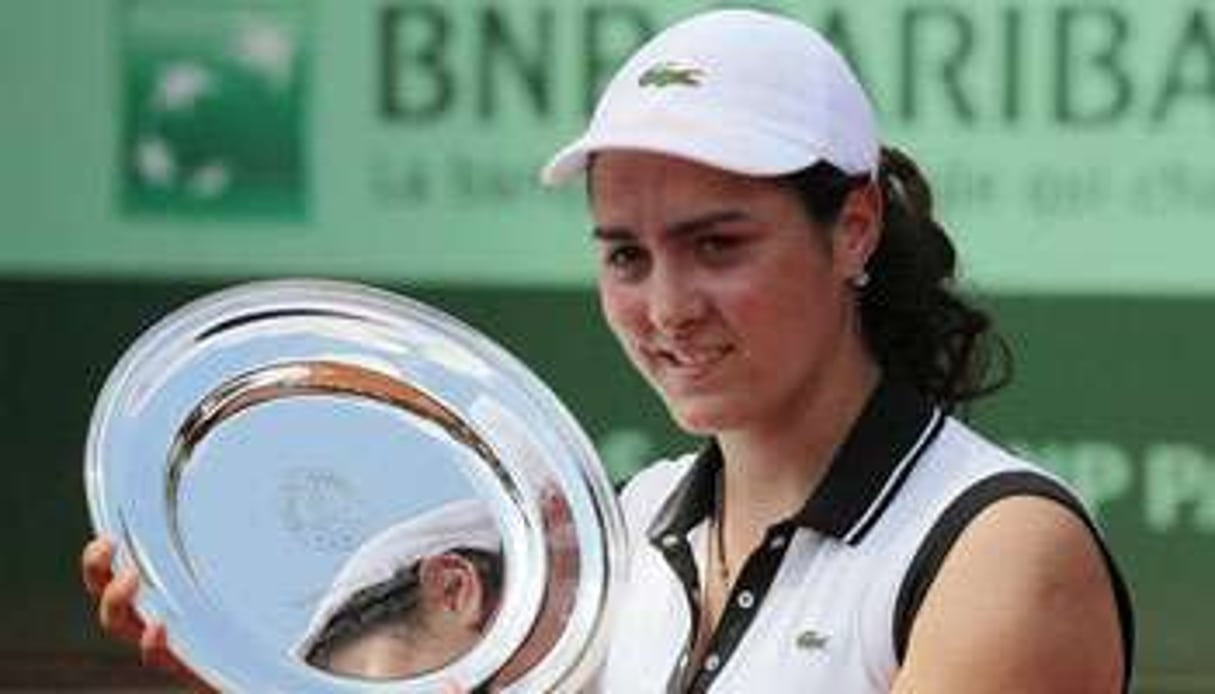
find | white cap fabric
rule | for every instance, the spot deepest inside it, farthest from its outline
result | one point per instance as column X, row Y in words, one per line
column 741, row 90
column 460, row 524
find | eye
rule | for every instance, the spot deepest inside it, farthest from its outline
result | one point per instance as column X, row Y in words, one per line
column 717, row 247
column 625, row 261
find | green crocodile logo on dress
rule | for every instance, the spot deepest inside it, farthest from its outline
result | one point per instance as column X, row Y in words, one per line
column 670, row 74
column 811, row 640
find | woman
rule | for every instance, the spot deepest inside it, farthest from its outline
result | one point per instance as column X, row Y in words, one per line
column 779, row 279
column 411, row 599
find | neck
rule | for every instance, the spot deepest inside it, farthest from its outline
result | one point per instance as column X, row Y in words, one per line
column 770, row 470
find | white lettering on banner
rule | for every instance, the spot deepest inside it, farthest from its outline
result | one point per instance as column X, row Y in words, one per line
column 1179, row 488
column 1172, row 483
column 1099, row 471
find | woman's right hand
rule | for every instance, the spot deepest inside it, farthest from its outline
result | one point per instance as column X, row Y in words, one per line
column 115, row 594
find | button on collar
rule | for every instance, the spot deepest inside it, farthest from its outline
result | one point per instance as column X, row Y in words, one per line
column 745, row 599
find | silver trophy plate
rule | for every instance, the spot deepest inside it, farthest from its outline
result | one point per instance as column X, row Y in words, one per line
column 320, row 482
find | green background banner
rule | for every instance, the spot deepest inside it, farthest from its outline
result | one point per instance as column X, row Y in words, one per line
column 400, row 139
column 153, row 150
column 1113, row 393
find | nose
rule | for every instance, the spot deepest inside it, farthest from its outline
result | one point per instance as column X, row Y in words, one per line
column 676, row 303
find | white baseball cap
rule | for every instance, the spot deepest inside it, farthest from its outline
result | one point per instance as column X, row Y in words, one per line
column 740, row 90
column 464, row 524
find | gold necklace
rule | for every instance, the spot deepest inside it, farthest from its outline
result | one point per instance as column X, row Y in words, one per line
column 719, row 521
column 723, row 568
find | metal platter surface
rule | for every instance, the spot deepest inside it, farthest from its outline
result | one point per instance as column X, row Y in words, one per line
column 280, row 459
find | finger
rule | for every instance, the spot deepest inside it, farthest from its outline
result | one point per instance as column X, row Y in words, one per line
column 116, row 608
column 153, row 644
column 156, row 652
column 96, row 565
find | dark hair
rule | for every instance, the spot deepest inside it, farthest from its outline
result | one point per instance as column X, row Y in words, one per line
column 913, row 318
column 393, row 601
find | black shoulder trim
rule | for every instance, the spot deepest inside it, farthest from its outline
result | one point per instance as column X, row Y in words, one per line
column 958, row 515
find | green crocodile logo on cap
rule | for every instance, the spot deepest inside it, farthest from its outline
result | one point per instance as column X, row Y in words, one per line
column 670, row 74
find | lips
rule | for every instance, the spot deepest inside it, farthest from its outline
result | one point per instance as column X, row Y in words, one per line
column 688, row 362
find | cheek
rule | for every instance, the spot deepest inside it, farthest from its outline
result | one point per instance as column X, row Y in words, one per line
column 758, row 303
column 622, row 310
column 783, row 316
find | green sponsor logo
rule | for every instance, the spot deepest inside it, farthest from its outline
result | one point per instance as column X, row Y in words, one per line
column 214, row 94
column 670, row 74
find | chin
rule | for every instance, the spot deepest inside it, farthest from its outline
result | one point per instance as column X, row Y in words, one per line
column 705, row 418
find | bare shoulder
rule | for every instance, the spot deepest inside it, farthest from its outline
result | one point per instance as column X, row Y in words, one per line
column 1022, row 602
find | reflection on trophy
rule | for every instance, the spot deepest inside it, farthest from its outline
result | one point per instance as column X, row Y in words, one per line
column 413, row 598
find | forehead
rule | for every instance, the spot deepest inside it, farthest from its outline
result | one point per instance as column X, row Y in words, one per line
column 628, row 179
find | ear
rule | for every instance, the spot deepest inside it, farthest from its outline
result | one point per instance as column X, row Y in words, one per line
column 858, row 230
column 451, row 586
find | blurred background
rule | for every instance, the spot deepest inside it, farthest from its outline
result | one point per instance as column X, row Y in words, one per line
column 154, row 150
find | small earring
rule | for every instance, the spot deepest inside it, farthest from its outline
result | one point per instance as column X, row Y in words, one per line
column 860, row 280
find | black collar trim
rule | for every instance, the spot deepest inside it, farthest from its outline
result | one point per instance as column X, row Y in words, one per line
column 876, row 458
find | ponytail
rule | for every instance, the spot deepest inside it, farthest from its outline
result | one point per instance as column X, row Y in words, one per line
column 913, row 318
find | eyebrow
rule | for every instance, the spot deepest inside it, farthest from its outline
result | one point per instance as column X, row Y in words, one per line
column 683, row 227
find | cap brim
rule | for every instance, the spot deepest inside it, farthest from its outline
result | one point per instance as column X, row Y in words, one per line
column 749, row 152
